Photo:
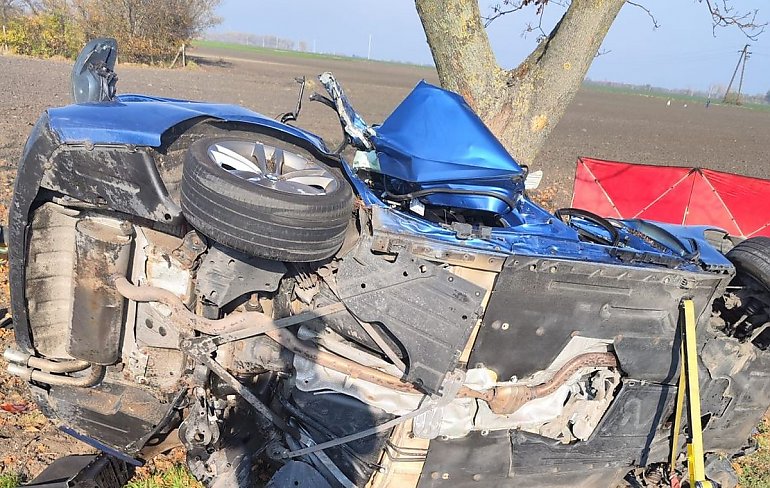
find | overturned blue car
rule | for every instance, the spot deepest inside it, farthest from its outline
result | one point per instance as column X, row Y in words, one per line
column 393, row 312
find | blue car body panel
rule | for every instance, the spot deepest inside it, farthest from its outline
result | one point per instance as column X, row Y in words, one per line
column 696, row 234
column 433, row 140
column 141, row 120
column 433, row 135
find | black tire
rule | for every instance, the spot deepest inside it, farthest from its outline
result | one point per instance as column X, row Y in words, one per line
column 258, row 220
column 752, row 258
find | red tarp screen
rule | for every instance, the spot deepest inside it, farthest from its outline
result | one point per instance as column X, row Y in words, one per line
column 691, row 196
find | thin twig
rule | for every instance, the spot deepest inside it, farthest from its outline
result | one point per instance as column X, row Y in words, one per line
column 539, row 27
column 510, row 6
column 602, row 52
column 498, row 11
column 655, row 23
column 727, row 16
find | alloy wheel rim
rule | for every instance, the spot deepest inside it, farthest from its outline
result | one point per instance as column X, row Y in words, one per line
column 272, row 167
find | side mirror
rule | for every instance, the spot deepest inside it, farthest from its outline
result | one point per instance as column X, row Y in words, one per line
column 93, row 77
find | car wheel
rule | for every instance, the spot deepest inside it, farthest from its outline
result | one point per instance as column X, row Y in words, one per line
column 751, row 286
column 752, row 259
column 265, row 197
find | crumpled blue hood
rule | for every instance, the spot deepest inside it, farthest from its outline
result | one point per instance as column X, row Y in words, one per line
column 433, row 135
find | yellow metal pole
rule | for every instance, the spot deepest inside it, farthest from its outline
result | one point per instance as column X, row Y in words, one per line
column 680, row 393
column 695, row 453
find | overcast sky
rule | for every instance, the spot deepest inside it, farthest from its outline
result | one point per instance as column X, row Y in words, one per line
column 681, row 53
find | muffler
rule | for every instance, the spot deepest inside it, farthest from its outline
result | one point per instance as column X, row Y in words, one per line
column 103, row 248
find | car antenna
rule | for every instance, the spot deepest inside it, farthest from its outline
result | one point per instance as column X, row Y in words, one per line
column 292, row 116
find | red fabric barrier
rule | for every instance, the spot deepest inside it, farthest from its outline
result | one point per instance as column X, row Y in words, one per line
column 690, row 196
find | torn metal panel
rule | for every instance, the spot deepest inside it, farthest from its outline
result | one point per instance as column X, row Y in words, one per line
column 413, row 299
column 538, row 305
column 226, row 274
column 123, row 178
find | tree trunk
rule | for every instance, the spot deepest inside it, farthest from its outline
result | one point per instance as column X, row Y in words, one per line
column 521, row 106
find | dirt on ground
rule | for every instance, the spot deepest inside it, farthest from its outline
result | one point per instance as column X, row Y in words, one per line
column 597, row 124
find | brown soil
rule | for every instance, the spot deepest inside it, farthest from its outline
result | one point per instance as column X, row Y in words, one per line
column 597, row 124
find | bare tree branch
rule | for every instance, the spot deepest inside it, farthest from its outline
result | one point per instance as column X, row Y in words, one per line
column 500, row 9
column 655, row 23
column 725, row 15
column 509, row 6
column 542, row 35
column 602, row 52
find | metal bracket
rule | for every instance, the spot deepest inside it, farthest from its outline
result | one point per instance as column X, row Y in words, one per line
column 193, row 245
column 201, row 425
column 225, row 275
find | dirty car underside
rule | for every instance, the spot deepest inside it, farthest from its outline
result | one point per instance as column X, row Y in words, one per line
column 350, row 324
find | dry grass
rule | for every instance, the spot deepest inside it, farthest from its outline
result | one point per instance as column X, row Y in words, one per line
column 754, row 470
column 165, row 471
column 546, row 197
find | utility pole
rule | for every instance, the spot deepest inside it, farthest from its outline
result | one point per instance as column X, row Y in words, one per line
column 744, row 56
column 369, row 51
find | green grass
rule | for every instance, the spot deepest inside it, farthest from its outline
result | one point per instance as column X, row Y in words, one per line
column 9, row 480
column 231, row 46
column 176, row 477
column 754, row 469
column 695, row 99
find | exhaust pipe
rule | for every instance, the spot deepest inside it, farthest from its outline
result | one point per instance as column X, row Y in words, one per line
column 182, row 317
column 503, row 400
column 28, row 374
column 14, row 356
column 31, row 368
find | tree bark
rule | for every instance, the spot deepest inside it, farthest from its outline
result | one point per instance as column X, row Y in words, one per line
column 522, row 106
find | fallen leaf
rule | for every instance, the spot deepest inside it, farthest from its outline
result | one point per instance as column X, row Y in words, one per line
column 15, row 407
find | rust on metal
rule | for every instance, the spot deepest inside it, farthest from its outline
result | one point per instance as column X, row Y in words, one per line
column 191, row 248
column 505, row 400
column 338, row 363
column 180, row 315
column 502, row 400
column 93, row 377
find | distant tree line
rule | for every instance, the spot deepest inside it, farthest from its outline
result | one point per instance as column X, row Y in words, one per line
column 715, row 93
column 147, row 31
column 267, row 40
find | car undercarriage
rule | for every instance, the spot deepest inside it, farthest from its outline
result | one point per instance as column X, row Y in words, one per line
column 236, row 287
